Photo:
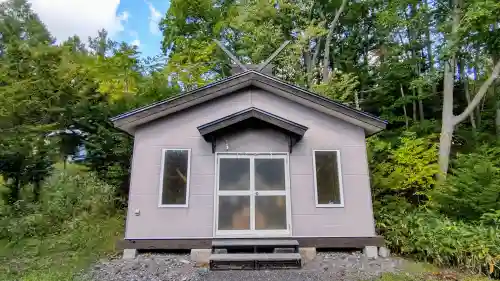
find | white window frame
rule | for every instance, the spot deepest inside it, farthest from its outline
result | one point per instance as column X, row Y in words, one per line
column 162, row 172
column 341, row 182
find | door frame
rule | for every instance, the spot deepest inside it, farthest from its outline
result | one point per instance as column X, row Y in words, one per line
column 252, row 232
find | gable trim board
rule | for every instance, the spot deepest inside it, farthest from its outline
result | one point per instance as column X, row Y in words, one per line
column 130, row 120
column 249, row 117
column 207, row 129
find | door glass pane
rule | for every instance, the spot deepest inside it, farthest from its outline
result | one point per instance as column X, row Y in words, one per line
column 234, row 213
column 270, row 212
column 269, row 174
column 234, row 174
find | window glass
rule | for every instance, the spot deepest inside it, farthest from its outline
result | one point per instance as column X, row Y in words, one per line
column 327, row 177
column 175, row 177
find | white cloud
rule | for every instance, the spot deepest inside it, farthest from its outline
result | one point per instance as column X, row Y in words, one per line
column 135, row 35
column 136, row 43
column 65, row 18
column 154, row 19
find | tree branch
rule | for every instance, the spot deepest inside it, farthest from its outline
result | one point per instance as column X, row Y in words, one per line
column 326, row 59
column 480, row 94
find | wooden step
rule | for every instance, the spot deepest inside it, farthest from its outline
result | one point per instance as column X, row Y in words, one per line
column 255, row 257
column 278, row 243
column 254, row 246
column 255, row 261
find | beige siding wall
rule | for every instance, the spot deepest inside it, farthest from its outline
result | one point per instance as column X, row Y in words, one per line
column 179, row 131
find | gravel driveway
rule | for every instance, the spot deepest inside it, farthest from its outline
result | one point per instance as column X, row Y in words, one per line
column 162, row 267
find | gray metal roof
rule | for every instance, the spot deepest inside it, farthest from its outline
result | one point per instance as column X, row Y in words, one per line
column 129, row 120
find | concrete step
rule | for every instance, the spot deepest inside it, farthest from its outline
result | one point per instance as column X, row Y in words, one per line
column 255, row 261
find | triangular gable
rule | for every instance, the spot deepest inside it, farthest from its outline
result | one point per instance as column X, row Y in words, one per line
column 251, row 118
column 130, row 120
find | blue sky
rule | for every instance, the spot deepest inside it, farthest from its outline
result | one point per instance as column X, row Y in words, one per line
column 132, row 21
column 141, row 27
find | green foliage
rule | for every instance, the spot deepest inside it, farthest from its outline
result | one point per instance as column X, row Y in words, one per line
column 341, row 87
column 62, row 255
column 64, row 196
column 407, row 167
column 473, row 187
column 431, row 237
column 74, row 223
column 492, row 217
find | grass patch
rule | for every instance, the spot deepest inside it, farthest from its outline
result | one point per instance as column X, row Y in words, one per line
column 423, row 271
column 76, row 221
column 434, row 276
column 60, row 256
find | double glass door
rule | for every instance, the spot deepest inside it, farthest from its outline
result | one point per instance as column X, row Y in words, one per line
column 252, row 195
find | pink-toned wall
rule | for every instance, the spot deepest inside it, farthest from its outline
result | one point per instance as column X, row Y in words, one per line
column 355, row 219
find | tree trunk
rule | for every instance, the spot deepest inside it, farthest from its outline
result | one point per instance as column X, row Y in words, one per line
column 497, row 118
column 329, row 36
column 465, row 81
column 496, row 96
column 445, row 148
column 447, row 126
column 420, row 104
column 414, row 104
column 36, row 191
column 313, row 62
column 412, row 35
column 429, row 49
column 404, row 106
column 477, row 111
column 449, row 120
column 356, row 100
column 479, row 95
column 14, row 189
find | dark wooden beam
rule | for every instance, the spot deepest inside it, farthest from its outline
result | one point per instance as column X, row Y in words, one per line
column 214, row 143
column 292, row 140
column 206, row 243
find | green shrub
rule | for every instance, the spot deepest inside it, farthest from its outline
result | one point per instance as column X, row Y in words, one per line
column 491, row 218
column 473, row 187
column 61, row 256
column 65, row 196
column 432, row 237
column 406, row 167
column 75, row 222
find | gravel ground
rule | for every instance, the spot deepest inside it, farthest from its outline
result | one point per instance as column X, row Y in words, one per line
column 349, row 266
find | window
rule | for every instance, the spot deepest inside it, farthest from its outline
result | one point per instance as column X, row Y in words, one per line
column 174, row 182
column 328, row 178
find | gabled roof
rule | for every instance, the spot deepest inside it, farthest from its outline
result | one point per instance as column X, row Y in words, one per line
column 130, row 120
column 251, row 118
column 220, row 124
